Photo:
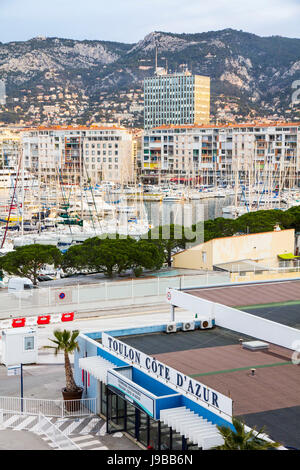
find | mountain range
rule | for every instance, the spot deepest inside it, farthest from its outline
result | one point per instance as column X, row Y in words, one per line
column 250, row 75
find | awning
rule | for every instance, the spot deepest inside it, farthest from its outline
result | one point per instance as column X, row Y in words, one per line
column 243, row 265
column 199, row 430
column 96, row 366
column 287, row 256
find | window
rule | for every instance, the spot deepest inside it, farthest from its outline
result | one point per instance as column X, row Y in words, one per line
column 29, row 343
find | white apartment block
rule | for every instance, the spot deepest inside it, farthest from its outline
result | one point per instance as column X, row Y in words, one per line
column 102, row 153
column 9, row 148
column 213, row 153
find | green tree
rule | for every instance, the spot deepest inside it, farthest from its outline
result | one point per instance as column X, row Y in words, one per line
column 65, row 341
column 107, row 257
column 219, row 227
column 124, row 249
column 295, row 213
column 113, row 255
column 75, row 259
column 26, row 261
column 263, row 221
column 146, row 255
column 241, row 439
column 170, row 238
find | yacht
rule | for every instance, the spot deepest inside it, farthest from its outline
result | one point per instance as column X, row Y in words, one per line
column 8, row 177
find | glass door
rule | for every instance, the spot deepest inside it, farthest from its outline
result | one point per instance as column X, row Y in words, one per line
column 116, row 413
column 130, row 420
column 143, row 427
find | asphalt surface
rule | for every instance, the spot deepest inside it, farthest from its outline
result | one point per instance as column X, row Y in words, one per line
column 287, row 314
column 282, row 425
column 159, row 343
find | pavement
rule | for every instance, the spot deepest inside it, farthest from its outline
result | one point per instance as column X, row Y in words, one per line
column 21, row 440
column 85, row 279
column 88, row 433
column 46, row 378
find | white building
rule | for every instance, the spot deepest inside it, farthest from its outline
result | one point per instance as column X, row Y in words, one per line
column 212, row 152
column 97, row 153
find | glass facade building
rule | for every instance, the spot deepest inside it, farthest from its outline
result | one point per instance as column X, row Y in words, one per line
column 176, row 99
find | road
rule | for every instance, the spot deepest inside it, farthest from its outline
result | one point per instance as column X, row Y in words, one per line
column 45, row 379
column 106, row 319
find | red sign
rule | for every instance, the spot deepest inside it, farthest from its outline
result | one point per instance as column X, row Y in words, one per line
column 43, row 320
column 67, row 316
column 18, row 322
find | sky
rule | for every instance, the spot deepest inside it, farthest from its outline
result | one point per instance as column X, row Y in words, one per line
column 129, row 21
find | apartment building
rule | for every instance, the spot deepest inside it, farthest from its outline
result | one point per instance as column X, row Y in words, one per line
column 93, row 154
column 9, row 148
column 176, row 99
column 218, row 153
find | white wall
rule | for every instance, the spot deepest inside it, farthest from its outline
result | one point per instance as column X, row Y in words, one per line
column 236, row 320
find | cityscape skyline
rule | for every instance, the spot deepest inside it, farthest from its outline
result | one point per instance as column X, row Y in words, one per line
column 114, row 22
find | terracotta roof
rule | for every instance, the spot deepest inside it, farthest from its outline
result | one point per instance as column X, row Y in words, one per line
column 75, row 128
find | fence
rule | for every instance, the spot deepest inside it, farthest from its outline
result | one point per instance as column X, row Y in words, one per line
column 39, row 424
column 52, row 408
column 61, row 440
column 260, row 274
column 94, row 296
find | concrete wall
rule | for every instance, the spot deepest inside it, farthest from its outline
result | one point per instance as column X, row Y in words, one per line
column 193, row 258
column 236, row 320
column 261, row 247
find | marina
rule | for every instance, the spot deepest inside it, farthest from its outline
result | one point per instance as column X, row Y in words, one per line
column 68, row 214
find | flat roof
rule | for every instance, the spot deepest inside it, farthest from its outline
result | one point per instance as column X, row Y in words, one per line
column 216, row 358
column 250, row 294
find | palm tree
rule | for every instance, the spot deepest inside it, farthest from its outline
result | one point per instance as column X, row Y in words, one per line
column 240, row 439
column 66, row 341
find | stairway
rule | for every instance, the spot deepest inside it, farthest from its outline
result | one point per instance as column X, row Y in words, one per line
column 197, row 429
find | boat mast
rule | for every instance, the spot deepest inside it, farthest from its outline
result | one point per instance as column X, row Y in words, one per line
column 22, row 199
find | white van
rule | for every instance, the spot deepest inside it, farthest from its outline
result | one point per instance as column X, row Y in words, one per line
column 17, row 284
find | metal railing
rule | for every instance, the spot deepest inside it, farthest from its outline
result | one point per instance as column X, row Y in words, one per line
column 59, row 439
column 107, row 294
column 92, row 296
column 52, row 408
column 38, row 424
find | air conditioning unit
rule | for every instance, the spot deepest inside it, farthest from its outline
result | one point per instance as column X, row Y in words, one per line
column 205, row 324
column 188, row 326
column 171, row 327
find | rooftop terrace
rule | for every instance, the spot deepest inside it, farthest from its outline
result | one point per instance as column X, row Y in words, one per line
column 216, row 358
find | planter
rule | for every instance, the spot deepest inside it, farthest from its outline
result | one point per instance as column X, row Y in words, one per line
column 69, row 397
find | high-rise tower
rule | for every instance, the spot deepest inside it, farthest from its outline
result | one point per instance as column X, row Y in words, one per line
column 176, row 99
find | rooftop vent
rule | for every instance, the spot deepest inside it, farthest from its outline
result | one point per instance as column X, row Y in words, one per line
column 255, row 345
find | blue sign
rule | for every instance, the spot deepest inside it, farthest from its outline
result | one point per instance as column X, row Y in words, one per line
column 131, row 392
